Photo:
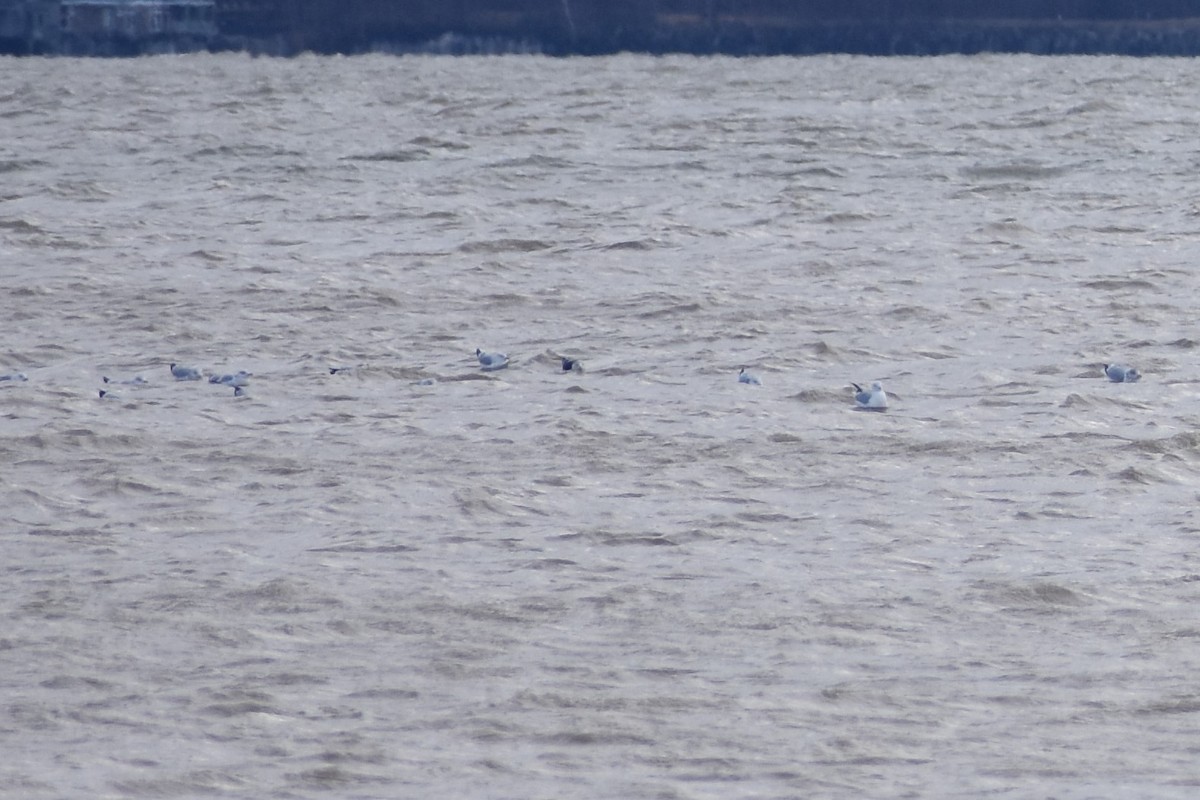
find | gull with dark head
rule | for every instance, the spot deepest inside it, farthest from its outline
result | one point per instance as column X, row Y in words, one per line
column 749, row 377
column 1121, row 374
column 874, row 399
column 183, row 373
column 490, row 362
column 572, row 365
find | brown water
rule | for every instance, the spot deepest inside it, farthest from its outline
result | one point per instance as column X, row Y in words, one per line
column 646, row 580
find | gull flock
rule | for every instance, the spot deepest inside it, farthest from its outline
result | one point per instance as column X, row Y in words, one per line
column 238, row 380
column 873, row 398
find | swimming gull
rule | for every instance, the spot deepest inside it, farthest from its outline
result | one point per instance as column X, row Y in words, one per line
column 873, row 400
column 572, row 365
column 491, row 361
column 239, row 378
column 16, row 377
column 1119, row 374
column 748, row 377
column 136, row 380
column 239, row 390
column 183, row 373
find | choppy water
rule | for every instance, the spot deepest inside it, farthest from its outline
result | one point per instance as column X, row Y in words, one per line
column 647, row 580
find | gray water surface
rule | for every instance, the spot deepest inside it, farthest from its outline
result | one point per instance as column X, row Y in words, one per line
column 646, row 580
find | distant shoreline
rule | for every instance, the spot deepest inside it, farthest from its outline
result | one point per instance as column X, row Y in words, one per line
column 1176, row 38
column 655, row 31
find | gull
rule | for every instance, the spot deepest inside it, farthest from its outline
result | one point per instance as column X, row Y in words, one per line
column 110, row 395
column 748, row 377
column 136, row 380
column 183, row 373
column 239, row 391
column 239, row 378
column 873, row 400
column 572, row 365
column 15, row 377
column 491, row 361
column 1119, row 374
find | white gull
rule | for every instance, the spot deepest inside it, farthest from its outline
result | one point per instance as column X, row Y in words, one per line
column 239, row 378
column 491, row 361
column 748, row 377
column 1119, row 374
column 183, row 373
column 873, row 400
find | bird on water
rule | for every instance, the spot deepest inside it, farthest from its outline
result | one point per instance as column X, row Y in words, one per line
column 183, row 373
column 874, row 399
column 491, row 361
column 239, row 378
column 1120, row 374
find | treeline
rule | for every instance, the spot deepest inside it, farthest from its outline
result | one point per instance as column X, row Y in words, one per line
column 1142, row 27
